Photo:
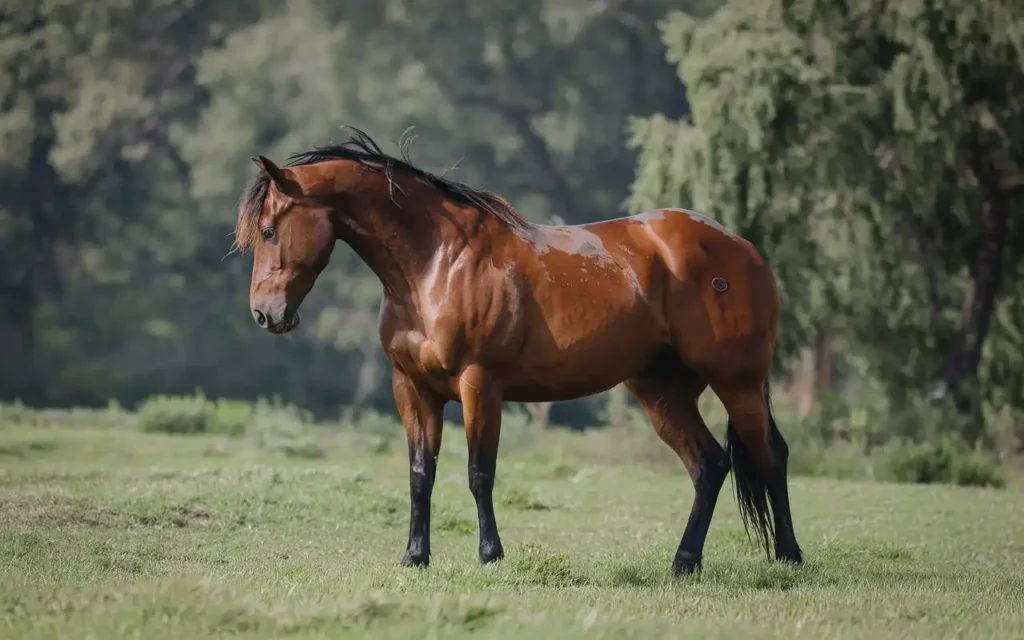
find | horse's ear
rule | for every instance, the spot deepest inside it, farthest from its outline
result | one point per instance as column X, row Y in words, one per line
column 282, row 178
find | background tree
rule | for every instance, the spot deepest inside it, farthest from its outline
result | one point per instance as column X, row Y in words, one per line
column 127, row 130
column 873, row 150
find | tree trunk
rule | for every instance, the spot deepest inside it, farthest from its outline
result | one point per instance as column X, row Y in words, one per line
column 18, row 300
column 814, row 374
column 822, row 363
column 802, row 384
column 33, row 198
column 562, row 196
column 986, row 275
column 540, row 413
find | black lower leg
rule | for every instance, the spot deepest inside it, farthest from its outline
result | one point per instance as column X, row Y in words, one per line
column 482, row 466
column 422, row 466
column 714, row 467
column 786, row 547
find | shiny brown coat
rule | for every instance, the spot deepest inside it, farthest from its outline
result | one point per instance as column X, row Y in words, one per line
column 481, row 307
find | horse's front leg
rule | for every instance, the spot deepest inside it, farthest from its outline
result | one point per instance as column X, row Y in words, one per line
column 421, row 411
column 481, row 411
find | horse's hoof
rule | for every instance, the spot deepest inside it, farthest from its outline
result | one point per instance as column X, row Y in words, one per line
column 490, row 553
column 415, row 559
column 790, row 556
column 686, row 564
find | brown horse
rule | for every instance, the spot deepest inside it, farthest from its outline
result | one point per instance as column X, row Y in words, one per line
column 481, row 306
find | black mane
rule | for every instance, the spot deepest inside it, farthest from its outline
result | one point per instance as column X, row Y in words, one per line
column 361, row 148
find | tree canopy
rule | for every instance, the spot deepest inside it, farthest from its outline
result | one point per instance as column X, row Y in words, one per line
column 873, row 150
column 125, row 136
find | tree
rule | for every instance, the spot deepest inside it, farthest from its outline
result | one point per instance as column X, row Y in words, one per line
column 126, row 131
column 512, row 93
column 874, row 150
column 88, row 94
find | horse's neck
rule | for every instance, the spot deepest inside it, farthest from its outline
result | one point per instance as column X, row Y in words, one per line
column 400, row 244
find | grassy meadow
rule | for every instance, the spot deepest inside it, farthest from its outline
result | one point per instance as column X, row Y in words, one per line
column 109, row 531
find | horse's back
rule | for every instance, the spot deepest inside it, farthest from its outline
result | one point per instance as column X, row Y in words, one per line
column 674, row 260
column 680, row 230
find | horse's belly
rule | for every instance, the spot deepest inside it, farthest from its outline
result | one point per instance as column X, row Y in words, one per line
column 568, row 358
column 554, row 389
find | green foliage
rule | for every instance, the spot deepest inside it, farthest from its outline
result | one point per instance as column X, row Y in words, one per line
column 862, row 147
column 840, row 459
column 869, row 151
column 175, row 415
column 943, row 460
column 517, row 430
column 125, row 136
column 381, row 429
column 821, row 445
column 113, row 416
column 196, row 414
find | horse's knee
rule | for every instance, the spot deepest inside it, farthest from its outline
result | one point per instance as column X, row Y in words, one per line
column 713, row 469
column 481, row 481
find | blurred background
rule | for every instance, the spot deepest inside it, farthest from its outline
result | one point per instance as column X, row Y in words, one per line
column 872, row 150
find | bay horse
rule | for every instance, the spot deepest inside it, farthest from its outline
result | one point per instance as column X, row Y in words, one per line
column 481, row 306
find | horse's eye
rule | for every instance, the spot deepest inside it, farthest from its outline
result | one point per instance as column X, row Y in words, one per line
column 268, row 233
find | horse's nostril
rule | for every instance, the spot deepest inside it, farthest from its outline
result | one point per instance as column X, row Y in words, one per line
column 261, row 319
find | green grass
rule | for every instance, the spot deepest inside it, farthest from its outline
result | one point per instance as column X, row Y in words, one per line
column 110, row 533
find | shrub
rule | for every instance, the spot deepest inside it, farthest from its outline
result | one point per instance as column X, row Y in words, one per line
column 113, row 416
column 837, row 459
column 197, row 414
column 517, row 429
column 380, row 430
column 278, row 426
column 946, row 459
column 18, row 414
column 231, row 417
column 178, row 415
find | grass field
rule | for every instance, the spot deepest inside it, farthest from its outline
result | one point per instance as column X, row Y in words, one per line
column 108, row 532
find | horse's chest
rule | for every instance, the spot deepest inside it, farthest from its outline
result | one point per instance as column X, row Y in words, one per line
column 419, row 353
column 450, row 328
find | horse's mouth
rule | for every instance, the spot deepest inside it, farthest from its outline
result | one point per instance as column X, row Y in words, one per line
column 290, row 322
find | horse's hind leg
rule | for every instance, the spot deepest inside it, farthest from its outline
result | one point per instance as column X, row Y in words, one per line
column 669, row 392
column 759, row 456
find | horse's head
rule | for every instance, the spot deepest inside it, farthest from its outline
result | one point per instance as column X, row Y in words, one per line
column 292, row 236
column 355, row 192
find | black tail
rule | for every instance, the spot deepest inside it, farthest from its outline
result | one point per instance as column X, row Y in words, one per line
column 752, row 484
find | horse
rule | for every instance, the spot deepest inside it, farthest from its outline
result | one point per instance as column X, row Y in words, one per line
column 481, row 306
